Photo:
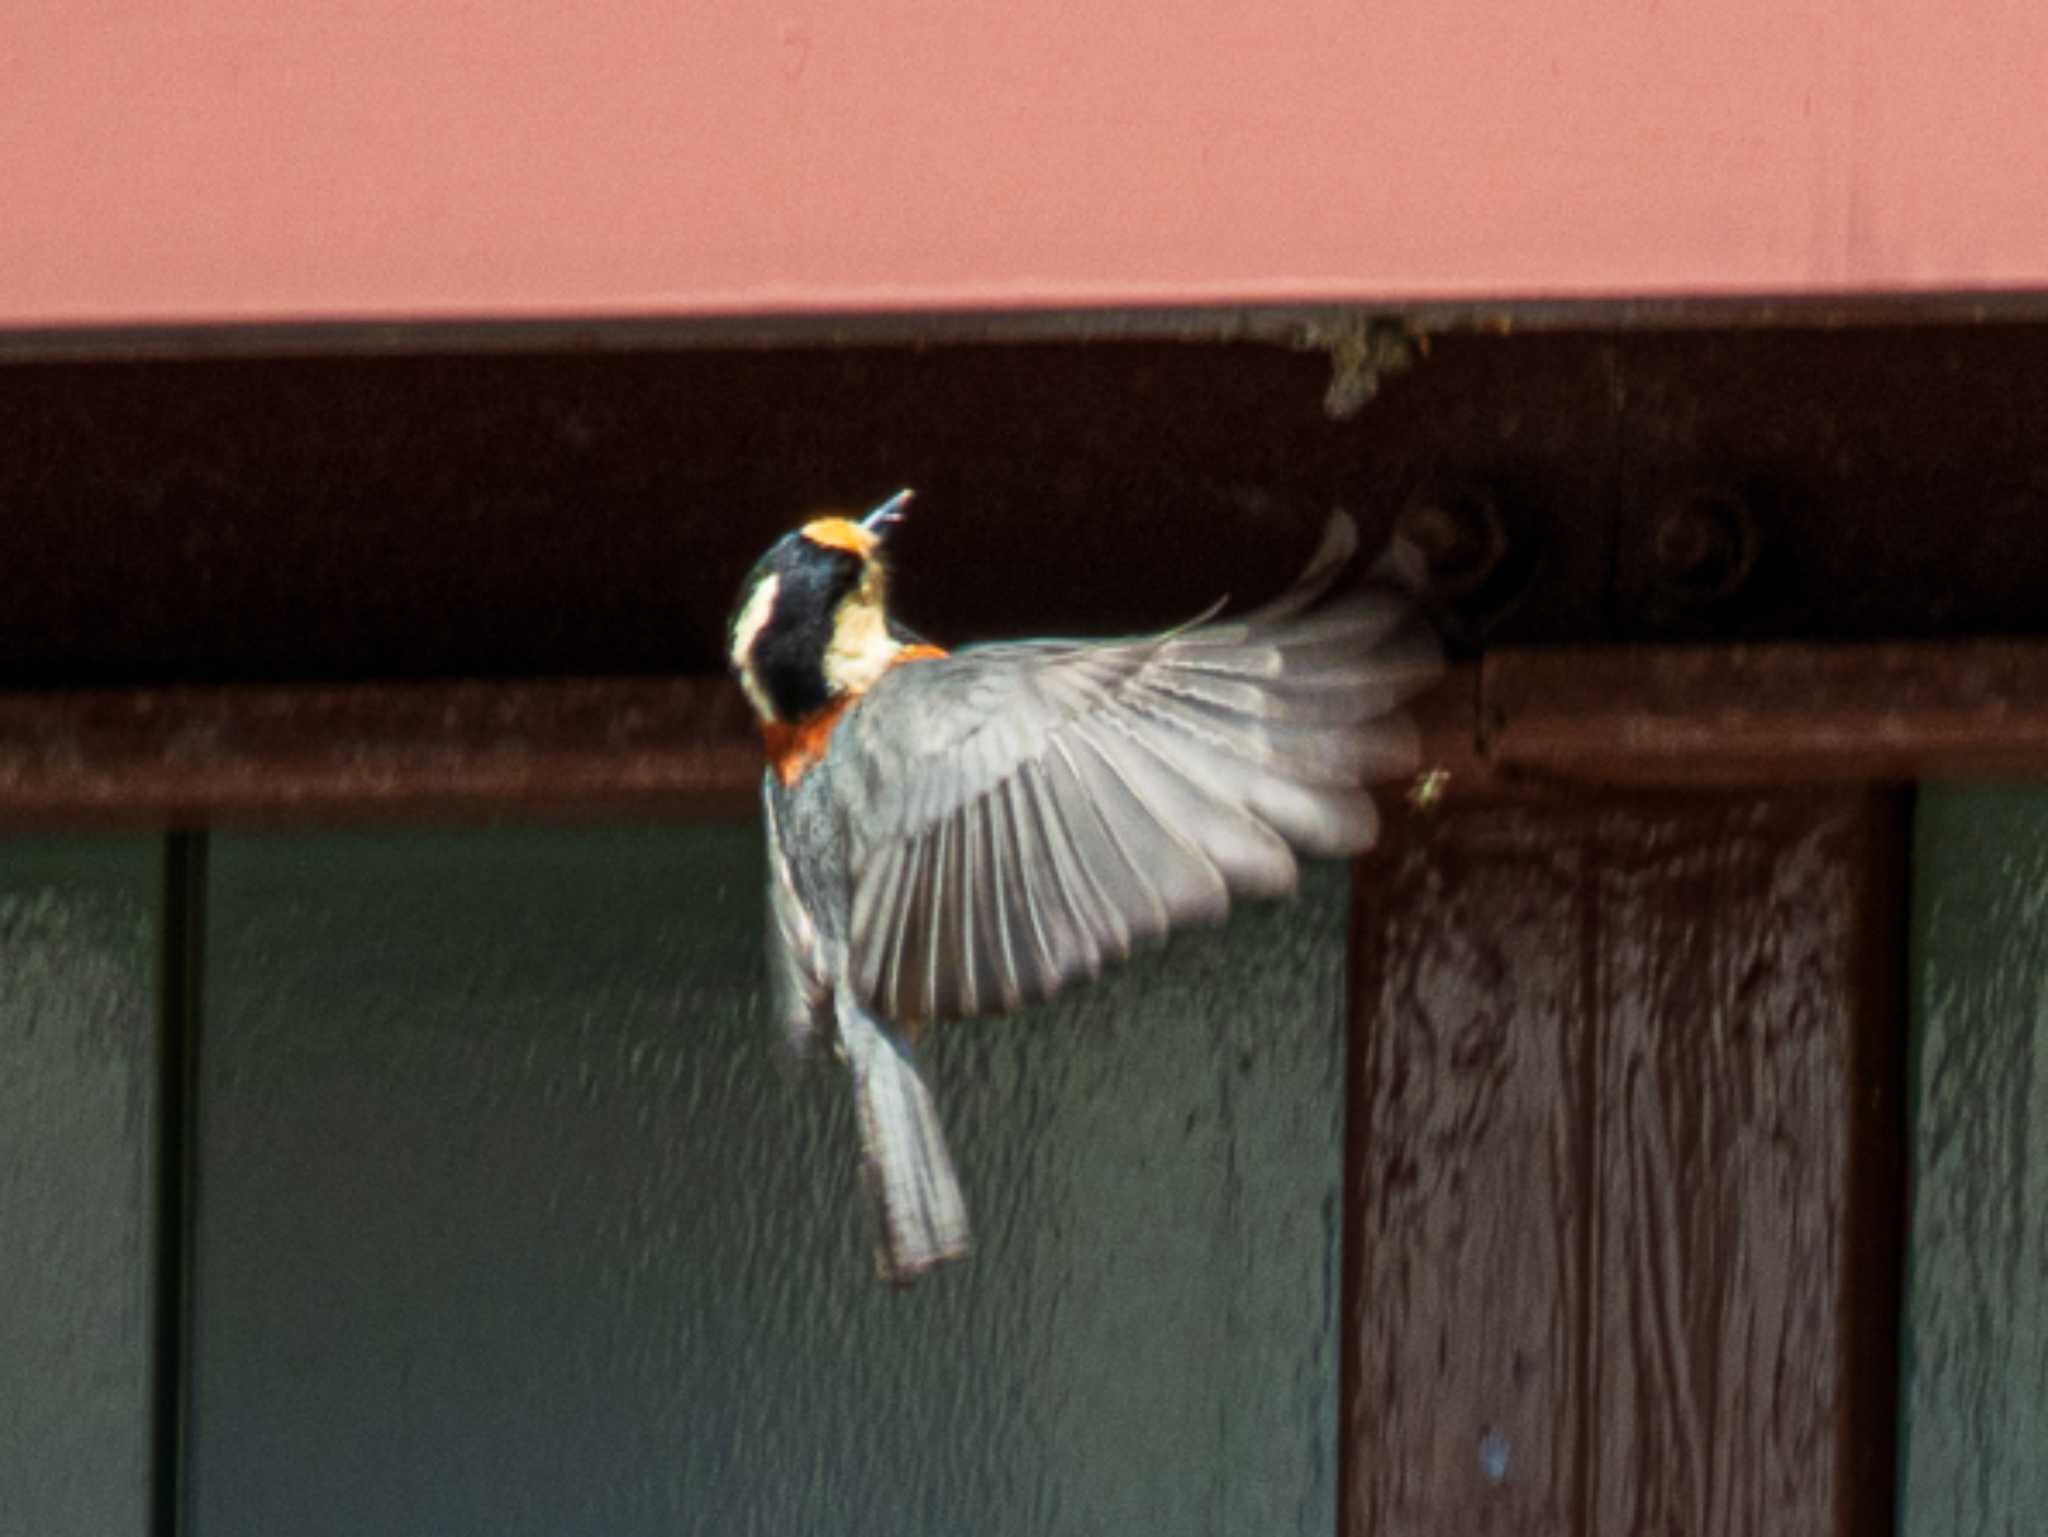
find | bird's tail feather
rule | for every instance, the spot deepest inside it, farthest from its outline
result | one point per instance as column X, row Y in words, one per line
column 920, row 1214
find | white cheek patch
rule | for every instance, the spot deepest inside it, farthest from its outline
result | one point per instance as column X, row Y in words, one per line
column 862, row 648
column 746, row 629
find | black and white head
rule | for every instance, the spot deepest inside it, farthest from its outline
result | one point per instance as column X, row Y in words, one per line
column 812, row 626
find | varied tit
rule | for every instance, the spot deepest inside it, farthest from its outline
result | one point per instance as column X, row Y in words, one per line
column 953, row 835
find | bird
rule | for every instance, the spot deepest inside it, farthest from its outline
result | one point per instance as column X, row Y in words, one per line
column 953, row 834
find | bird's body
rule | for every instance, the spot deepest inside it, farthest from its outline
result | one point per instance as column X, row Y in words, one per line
column 957, row 835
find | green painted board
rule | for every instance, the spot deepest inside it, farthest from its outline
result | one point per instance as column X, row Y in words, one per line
column 511, row 1221
column 78, row 1129
column 1975, row 1392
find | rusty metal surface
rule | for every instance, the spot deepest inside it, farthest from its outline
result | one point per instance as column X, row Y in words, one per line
column 1763, row 714
column 1623, row 1243
column 1518, row 721
column 311, row 752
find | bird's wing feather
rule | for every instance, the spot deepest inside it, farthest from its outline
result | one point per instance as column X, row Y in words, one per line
column 1019, row 814
column 799, row 982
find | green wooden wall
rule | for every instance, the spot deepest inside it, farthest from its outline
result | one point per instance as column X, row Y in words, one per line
column 505, row 1217
column 509, row 1219
column 1975, row 1392
column 78, row 1187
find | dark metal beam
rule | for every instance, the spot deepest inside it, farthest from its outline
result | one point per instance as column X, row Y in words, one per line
column 1761, row 715
column 316, row 753
column 590, row 513
column 1768, row 714
column 1282, row 324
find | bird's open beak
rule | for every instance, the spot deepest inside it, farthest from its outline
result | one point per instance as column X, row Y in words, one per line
column 889, row 512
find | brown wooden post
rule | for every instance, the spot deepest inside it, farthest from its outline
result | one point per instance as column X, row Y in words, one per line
column 1623, row 1229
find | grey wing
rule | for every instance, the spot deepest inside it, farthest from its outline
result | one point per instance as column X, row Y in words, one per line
column 1022, row 813
column 799, row 983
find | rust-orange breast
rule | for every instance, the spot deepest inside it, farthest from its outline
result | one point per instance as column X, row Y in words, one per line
column 794, row 748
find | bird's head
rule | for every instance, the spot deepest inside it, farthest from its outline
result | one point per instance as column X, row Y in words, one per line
column 812, row 627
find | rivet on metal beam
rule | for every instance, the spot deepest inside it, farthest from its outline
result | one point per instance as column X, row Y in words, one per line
column 1703, row 547
column 1459, row 532
column 1479, row 562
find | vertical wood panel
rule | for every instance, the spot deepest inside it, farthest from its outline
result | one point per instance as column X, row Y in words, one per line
column 1975, row 1410
column 1745, row 1059
column 78, row 1161
column 1622, row 1220
column 1468, row 1239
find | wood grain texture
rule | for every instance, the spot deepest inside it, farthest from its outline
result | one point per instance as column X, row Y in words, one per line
column 1469, row 1242
column 79, row 1130
column 1745, row 1043
column 1622, row 1220
column 509, row 1220
column 1975, row 1409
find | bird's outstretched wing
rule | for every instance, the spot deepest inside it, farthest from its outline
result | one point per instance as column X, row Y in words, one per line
column 1019, row 813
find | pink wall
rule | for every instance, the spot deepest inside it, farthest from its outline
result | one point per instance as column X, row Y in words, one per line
column 192, row 160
